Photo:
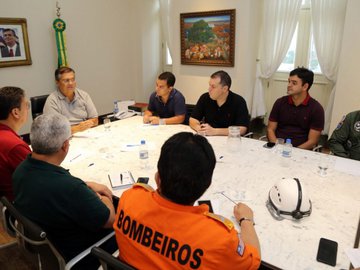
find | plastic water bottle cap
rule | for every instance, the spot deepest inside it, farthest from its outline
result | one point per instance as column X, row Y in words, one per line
column 143, row 142
column 288, row 141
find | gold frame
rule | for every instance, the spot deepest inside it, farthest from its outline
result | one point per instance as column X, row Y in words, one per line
column 20, row 25
column 215, row 46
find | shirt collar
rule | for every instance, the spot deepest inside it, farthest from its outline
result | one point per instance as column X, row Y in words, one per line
column 61, row 95
column 5, row 127
column 171, row 95
column 305, row 102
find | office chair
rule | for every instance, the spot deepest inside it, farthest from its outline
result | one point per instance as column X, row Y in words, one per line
column 37, row 105
column 109, row 262
column 33, row 239
column 189, row 110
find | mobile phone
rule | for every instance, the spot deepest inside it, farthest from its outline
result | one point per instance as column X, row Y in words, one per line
column 208, row 203
column 143, row 180
column 327, row 251
column 269, row 145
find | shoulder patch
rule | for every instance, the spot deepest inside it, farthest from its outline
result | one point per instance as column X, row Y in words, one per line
column 144, row 186
column 357, row 126
column 226, row 222
column 339, row 125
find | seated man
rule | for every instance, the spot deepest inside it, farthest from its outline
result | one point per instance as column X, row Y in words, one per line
column 166, row 104
column 163, row 229
column 75, row 214
column 220, row 108
column 71, row 102
column 14, row 110
column 297, row 116
column 345, row 140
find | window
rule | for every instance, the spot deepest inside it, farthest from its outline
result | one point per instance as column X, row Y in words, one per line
column 302, row 48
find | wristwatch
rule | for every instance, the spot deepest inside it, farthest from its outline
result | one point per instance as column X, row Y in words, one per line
column 247, row 219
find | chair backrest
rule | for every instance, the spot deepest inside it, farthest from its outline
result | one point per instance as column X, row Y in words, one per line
column 109, row 262
column 189, row 109
column 37, row 105
column 32, row 237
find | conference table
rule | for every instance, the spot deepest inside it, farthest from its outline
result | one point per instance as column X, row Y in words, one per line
column 245, row 175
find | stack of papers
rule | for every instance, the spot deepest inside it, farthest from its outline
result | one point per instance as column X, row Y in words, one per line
column 121, row 179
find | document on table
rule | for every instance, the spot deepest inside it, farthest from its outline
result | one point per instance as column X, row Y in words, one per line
column 121, row 179
column 347, row 165
column 354, row 256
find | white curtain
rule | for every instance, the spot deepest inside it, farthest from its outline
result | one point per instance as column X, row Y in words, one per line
column 165, row 19
column 279, row 22
column 328, row 18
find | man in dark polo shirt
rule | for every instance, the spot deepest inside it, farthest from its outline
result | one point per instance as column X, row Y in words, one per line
column 297, row 116
column 220, row 108
column 166, row 104
column 74, row 214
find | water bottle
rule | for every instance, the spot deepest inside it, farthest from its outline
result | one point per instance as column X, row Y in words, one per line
column 116, row 107
column 143, row 155
column 287, row 149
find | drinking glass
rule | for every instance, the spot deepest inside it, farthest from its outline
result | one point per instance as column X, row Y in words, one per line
column 279, row 145
column 234, row 139
column 107, row 122
column 323, row 164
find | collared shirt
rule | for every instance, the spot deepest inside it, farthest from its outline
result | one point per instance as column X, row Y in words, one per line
column 13, row 150
column 345, row 140
column 79, row 109
column 173, row 107
column 295, row 122
column 166, row 235
column 71, row 213
column 233, row 112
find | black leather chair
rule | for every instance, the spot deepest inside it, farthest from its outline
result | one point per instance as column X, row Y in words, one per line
column 33, row 239
column 109, row 262
column 189, row 109
column 37, row 105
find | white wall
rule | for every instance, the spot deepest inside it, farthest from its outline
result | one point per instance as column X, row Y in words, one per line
column 192, row 80
column 114, row 47
column 347, row 95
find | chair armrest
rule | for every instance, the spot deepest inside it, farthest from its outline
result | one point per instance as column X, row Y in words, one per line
column 249, row 135
column 318, row 148
column 87, row 251
column 263, row 138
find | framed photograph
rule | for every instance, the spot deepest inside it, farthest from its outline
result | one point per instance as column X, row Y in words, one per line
column 208, row 38
column 14, row 42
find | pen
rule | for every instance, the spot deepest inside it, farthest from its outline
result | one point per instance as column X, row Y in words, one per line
column 132, row 145
column 75, row 157
column 121, row 177
column 221, row 157
column 90, row 164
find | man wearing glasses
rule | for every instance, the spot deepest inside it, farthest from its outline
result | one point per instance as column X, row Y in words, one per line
column 73, row 103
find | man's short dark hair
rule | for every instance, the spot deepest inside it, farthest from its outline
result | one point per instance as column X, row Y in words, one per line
column 10, row 30
column 168, row 77
column 306, row 75
column 61, row 70
column 10, row 98
column 185, row 167
column 225, row 78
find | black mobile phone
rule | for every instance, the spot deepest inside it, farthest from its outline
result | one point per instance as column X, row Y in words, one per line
column 143, row 180
column 208, row 203
column 269, row 145
column 327, row 251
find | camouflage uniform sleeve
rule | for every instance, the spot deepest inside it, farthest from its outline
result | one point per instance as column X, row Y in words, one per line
column 337, row 141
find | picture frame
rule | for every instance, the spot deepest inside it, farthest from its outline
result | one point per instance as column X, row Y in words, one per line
column 14, row 42
column 208, row 38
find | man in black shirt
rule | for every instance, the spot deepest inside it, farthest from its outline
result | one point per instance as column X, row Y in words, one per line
column 220, row 108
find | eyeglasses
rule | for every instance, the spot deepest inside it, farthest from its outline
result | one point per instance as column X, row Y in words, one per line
column 68, row 80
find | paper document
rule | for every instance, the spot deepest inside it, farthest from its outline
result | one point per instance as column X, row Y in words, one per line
column 347, row 165
column 121, row 179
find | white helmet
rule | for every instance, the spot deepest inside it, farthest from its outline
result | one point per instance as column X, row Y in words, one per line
column 288, row 199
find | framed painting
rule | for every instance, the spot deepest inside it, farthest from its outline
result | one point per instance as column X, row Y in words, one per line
column 208, row 38
column 14, row 42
